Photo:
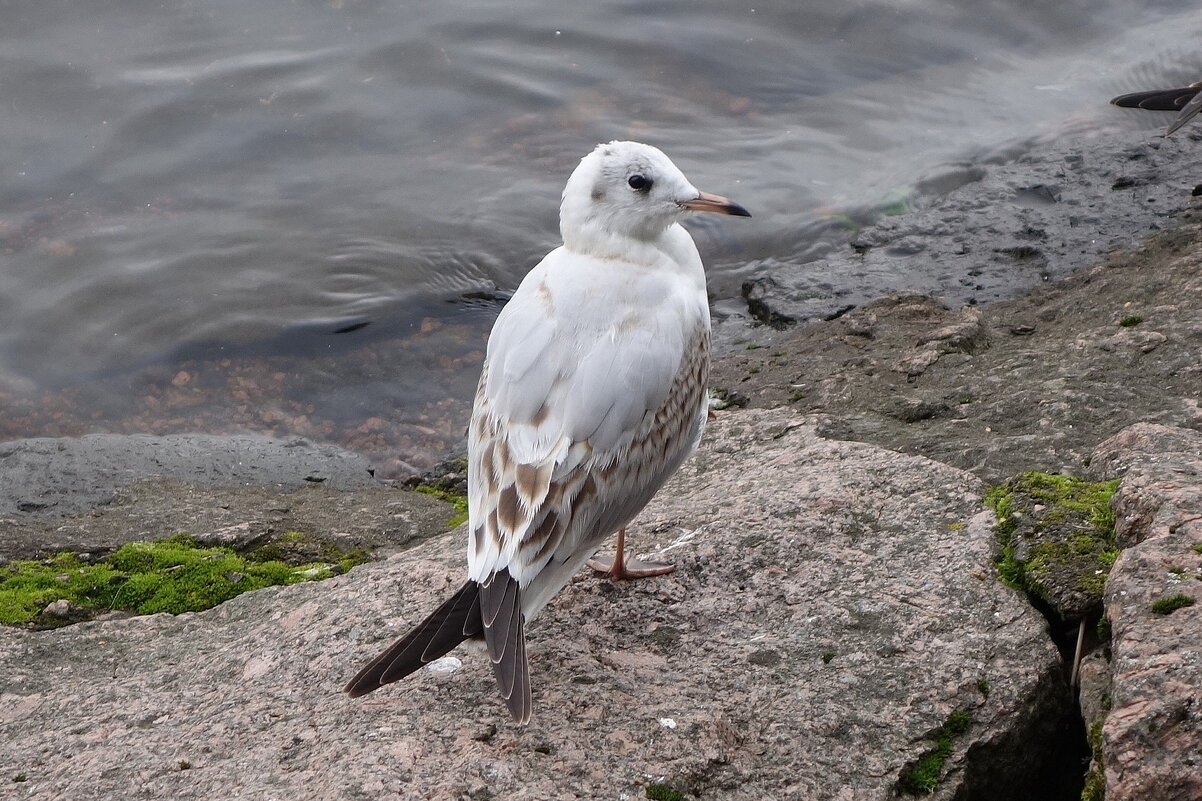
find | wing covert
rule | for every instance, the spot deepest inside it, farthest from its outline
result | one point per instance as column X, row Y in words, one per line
column 547, row 413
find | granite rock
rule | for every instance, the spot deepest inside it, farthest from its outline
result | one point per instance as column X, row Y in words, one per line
column 825, row 621
column 1152, row 737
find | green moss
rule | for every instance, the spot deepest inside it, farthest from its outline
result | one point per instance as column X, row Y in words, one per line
column 1056, row 534
column 1171, row 603
column 983, row 685
column 1072, row 494
column 1131, row 320
column 1095, row 736
column 1197, row 547
column 1001, row 499
column 1095, row 786
column 923, row 777
column 458, row 501
column 171, row 575
column 663, row 792
column 1082, row 543
column 1095, row 780
column 299, row 548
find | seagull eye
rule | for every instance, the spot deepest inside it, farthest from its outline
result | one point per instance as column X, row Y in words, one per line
column 639, row 183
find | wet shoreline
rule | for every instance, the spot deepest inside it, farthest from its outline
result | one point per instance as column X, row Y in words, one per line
column 400, row 395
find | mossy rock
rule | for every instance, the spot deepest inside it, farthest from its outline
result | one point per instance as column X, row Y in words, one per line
column 1057, row 539
column 924, row 775
column 458, row 502
column 1095, row 777
column 446, row 481
column 663, row 792
column 170, row 575
column 299, row 548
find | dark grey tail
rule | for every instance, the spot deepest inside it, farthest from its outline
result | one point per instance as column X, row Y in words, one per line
column 492, row 610
column 1158, row 99
column 505, row 635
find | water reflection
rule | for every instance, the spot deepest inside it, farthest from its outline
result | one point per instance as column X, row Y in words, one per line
column 205, row 183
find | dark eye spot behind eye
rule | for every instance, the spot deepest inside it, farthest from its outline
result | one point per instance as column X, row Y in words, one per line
column 639, row 183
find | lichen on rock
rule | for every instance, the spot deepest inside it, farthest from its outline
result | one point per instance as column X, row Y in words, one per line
column 1056, row 535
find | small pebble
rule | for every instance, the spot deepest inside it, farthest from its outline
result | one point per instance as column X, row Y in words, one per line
column 60, row 608
column 446, row 664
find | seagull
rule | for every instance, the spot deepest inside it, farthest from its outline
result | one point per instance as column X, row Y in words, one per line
column 592, row 393
column 1187, row 99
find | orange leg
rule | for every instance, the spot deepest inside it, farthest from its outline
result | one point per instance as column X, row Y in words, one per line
column 619, row 567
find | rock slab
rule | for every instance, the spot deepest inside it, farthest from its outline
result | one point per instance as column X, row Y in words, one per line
column 51, row 477
column 834, row 604
column 1152, row 737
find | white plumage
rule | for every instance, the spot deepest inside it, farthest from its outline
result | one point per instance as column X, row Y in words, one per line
column 591, row 396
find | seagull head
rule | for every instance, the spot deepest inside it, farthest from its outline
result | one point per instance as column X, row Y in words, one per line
column 628, row 190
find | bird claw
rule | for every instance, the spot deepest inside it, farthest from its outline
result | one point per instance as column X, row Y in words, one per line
column 628, row 568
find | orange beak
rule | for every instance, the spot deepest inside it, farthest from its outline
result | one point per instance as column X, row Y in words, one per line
column 715, row 203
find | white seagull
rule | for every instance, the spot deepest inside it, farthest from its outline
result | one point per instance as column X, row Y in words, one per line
column 592, row 394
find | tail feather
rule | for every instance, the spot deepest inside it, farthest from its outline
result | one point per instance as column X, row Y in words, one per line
column 1158, row 99
column 462, row 622
column 520, row 704
column 492, row 609
column 450, row 624
column 505, row 635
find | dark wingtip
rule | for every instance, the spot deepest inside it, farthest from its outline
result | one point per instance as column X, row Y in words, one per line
column 356, row 689
column 450, row 624
column 1128, row 101
column 1157, row 99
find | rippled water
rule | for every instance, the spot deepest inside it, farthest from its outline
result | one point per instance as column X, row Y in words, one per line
column 196, row 195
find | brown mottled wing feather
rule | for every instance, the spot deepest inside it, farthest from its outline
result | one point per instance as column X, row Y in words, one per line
column 606, row 490
column 450, row 624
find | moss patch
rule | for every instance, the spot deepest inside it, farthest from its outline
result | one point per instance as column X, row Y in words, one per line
column 923, row 776
column 457, row 501
column 1095, row 778
column 171, row 575
column 1171, row 603
column 298, row 548
column 663, row 792
column 1057, row 539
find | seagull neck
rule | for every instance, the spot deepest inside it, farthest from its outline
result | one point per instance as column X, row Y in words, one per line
column 600, row 242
